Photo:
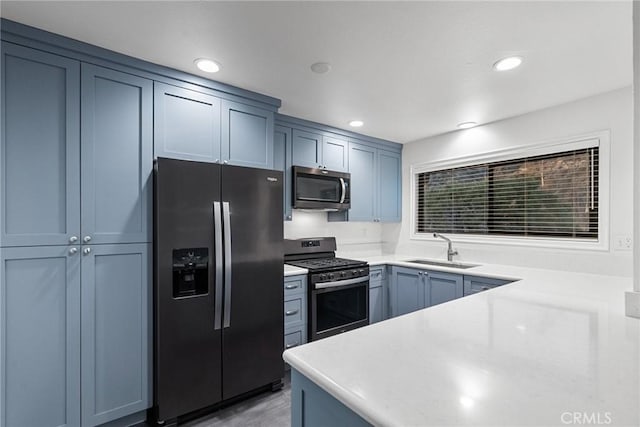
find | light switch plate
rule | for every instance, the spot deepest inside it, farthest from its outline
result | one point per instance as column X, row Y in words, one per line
column 632, row 304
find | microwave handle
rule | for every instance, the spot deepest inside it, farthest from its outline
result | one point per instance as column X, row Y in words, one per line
column 344, row 190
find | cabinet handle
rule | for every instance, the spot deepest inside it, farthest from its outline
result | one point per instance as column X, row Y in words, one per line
column 291, row 286
column 86, row 239
column 295, row 344
column 86, row 251
column 73, row 251
column 485, row 288
column 73, row 239
column 291, row 312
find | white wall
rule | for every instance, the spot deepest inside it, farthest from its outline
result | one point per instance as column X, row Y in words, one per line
column 357, row 238
column 611, row 111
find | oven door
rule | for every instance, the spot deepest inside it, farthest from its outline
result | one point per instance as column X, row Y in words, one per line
column 337, row 308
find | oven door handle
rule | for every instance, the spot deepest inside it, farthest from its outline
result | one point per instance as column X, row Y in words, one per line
column 339, row 283
column 344, row 190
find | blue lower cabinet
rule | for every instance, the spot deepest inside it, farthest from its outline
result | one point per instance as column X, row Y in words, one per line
column 116, row 351
column 40, row 330
column 473, row 284
column 311, row 406
column 406, row 291
column 74, row 322
column 376, row 304
column 442, row 287
column 295, row 311
column 411, row 289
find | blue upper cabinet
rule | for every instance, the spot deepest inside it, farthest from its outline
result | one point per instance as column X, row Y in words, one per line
column 389, row 186
column 362, row 167
column 117, row 157
column 335, row 153
column 319, row 150
column 40, row 154
column 282, row 162
column 193, row 125
column 306, row 149
column 186, row 124
column 247, row 135
column 376, row 190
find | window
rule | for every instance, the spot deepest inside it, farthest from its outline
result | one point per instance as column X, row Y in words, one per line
column 552, row 195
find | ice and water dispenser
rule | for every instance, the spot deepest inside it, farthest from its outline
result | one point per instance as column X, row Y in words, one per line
column 190, row 272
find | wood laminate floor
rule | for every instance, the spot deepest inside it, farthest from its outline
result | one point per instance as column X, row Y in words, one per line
column 268, row 409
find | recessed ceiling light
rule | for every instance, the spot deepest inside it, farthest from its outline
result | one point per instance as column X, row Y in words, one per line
column 467, row 125
column 321, row 67
column 508, row 63
column 207, row 65
column 356, row 123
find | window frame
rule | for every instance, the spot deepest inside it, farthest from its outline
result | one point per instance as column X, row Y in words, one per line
column 597, row 139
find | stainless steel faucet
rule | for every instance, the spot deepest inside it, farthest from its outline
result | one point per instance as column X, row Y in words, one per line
column 450, row 251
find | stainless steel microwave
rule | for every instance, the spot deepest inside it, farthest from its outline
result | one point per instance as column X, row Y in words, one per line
column 321, row 189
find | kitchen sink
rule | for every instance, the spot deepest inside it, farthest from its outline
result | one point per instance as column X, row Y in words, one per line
column 443, row 263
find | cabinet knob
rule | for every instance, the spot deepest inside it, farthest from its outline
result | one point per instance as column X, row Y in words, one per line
column 217, row 160
column 73, row 239
column 86, row 239
column 73, row 251
column 86, row 251
column 288, row 216
column 225, row 162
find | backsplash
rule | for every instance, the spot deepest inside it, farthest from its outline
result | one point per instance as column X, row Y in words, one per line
column 361, row 238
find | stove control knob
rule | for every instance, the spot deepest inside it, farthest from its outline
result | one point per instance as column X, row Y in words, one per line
column 331, row 276
column 354, row 273
column 322, row 276
column 342, row 274
column 361, row 271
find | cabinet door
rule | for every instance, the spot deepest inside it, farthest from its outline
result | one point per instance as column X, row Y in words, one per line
column 117, row 157
column 335, row 154
column 186, row 124
column 306, row 149
column 442, row 287
column 40, row 331
column 116, row 298
column 406, row 290
column 376, row 304
column 389, row 186
column 282, row 162
column 40, row 154
column 362, row 166
column 247, row 135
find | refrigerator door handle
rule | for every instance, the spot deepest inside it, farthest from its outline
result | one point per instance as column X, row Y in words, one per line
column 227, row 264
column 217, row 238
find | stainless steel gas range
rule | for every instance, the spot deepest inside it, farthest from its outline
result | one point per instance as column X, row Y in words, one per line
column 338, row 294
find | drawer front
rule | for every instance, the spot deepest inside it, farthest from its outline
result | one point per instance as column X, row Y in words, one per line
column 293, row 311
column 377, row 274
column 294, row 285
column 292, row 339
column 473, row 285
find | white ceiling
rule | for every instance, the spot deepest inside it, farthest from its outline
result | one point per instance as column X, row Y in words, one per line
column 408, row 69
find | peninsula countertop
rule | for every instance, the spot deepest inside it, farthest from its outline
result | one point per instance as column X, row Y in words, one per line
column 535, row 352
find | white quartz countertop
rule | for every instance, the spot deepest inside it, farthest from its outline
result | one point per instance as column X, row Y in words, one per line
column 535, row 352
column 290, row 270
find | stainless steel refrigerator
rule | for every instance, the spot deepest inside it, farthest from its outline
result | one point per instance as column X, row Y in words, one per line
column 218, row 296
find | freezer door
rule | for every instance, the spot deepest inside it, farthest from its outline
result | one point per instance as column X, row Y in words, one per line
column 187, row 344
column 253, row 314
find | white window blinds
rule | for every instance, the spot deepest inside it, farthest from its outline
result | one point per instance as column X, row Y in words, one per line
column 553, row 195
